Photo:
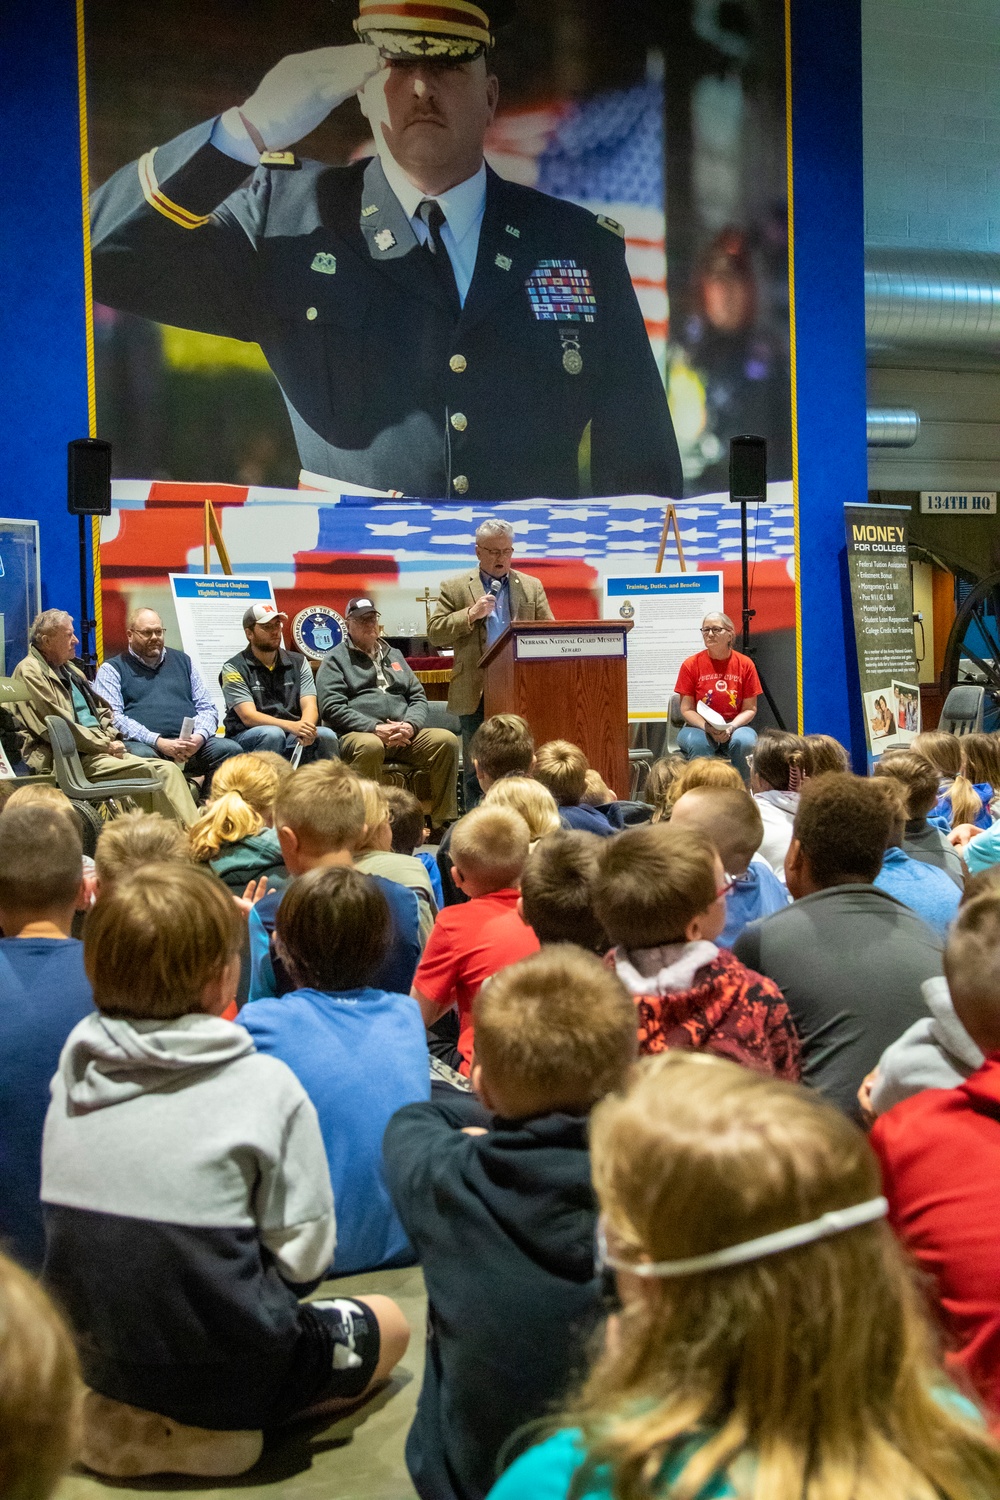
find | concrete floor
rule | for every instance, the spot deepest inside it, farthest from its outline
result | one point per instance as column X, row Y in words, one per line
column 359, row 1457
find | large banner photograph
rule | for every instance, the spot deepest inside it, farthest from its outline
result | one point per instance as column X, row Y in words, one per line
column 354, row 372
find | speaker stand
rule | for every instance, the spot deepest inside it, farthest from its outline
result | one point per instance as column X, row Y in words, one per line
column 87, row 658
column 749, row 613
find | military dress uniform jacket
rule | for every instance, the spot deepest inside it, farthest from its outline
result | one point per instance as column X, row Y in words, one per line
column 386, row 389
column 51, row 694
column 449, row 626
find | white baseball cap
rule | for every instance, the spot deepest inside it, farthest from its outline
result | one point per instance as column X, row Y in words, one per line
column 262, row 614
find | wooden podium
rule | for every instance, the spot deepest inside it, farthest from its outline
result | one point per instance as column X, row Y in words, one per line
column 569, row 679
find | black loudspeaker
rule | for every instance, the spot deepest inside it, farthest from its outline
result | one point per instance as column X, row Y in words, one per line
column 748, row 469
column 88, row 476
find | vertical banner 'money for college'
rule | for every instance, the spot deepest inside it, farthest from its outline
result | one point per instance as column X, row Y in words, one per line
column 882, row 601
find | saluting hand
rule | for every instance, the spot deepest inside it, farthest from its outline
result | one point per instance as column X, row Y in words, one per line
column 300, row 91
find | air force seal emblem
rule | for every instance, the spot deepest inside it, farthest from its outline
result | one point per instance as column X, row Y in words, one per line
column 317, row 630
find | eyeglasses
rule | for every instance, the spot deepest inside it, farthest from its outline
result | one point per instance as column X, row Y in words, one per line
column 148, row 635
column 728, row 881
column 496, row 551
column 714, row 630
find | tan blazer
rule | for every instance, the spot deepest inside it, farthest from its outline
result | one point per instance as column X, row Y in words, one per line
column 50, row 694
column 450, row 626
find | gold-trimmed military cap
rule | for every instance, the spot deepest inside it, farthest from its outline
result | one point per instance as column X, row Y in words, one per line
column 431, row 28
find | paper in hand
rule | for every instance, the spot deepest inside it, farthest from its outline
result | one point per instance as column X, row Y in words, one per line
column 711, row 716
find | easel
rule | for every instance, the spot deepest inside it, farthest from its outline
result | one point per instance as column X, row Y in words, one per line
column 670, row 519
column 213, row 533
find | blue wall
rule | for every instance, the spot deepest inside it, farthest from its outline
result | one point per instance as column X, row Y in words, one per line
column 830, row 350
column 43, row 355
column 43, row 336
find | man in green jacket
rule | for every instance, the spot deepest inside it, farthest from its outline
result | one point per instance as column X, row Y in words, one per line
column 369, row 696
column 59, row 688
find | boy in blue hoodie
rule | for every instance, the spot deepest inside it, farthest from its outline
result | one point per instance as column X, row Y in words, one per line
column 187, row 1198
column 731, row 820
column 562, row 767
column 503, row 1219
column 359, row 1053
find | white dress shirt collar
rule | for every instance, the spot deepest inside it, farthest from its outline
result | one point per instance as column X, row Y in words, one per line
column 463, row 205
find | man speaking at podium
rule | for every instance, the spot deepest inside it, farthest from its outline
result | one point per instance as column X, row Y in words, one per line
column 473, row 610
column 436, row 330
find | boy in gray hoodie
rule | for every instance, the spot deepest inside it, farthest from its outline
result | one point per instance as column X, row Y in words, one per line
column 185, row 1186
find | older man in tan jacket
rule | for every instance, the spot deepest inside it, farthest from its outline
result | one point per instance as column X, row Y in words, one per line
column 473, row 610
column 59, row 688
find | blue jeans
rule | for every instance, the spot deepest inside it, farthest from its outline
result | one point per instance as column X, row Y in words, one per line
column 695, row 742
column 270, row 737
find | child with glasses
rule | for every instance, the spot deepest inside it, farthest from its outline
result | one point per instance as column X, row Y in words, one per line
column 660, row 895
column 771, row 1341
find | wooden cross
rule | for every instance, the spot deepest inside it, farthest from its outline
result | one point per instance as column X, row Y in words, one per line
column 427, row 599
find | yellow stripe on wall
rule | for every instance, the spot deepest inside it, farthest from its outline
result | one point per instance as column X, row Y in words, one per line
column 791, row 330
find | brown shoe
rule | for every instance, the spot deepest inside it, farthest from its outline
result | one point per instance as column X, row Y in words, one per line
column 125, row 1442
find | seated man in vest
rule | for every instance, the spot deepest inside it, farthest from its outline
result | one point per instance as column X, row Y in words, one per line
column 152, row 689
column 270, row 694
column 58, row 688
column 372, row 699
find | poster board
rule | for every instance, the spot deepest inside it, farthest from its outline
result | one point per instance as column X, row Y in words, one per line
column 666, row 613
column 209, row 610
column 882, row 600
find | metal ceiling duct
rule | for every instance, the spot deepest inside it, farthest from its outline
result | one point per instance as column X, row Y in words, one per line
column 932, row 299
column 892, row 426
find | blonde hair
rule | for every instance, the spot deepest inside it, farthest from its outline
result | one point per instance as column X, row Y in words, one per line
column 702, row 771
column 138, row 839
column 243, row 792
column 491, row 844
column 555, row 1031
column 562, row 767
column 528, row 797
column 596, row 792
column 376, row 812
column 39, row 796
column 663, row 773
column 982, row 758
column 652, row 882
column 944, row 752
column 155, row 940
column 972, row 953
column 817, row 1364
column 323, row 806
column 40, row 1389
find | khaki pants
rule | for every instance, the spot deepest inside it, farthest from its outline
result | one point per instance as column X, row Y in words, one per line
column 168, row 793
column 434, row 751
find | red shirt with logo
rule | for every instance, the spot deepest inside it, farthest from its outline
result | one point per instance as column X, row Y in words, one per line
column 723, row 685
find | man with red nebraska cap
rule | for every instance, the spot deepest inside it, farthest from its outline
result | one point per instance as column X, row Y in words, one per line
column 436, row 330
column 270, row 693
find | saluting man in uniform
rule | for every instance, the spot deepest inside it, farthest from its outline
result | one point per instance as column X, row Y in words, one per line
column 473, row 610
column 436, row 330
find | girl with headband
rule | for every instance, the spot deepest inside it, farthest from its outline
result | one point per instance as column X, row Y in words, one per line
column 771, row 1343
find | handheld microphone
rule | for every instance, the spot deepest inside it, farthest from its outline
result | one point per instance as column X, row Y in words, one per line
column 496, row 586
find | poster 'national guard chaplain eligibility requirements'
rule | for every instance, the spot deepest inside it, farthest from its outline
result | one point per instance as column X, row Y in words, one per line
column 882, row 599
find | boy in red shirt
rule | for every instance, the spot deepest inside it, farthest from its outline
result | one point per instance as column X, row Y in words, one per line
column 726, row 682
column 660, row 895
column 470, row 942
column 940, row 1156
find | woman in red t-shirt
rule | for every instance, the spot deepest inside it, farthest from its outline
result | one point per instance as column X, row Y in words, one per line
column 725, row 682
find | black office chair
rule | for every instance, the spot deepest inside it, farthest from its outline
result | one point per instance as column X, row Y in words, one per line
column 963, row 709
column 72, row 779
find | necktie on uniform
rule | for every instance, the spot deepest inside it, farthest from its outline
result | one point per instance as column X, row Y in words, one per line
column 433, row 216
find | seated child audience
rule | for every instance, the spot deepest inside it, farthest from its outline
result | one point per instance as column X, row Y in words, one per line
column 44, row 992
column 136, row 839
column 502, row 746
column 407, row 822
column 921, row 840
column 982, row 766
column 848, row 958
column 596, row 792
column 534, row 802
column 828, row 754
column 41, row 794
column 731, row 820
column 374, row 855
column 557, row 890
column 40, row 1389
column 619, row 812
column 359, row 1053
column 489, row 848
column 940, row 1155
column 926, row 890
column 661, row 897
column 562, row 767
column 809, row 1373
column 181, row 1283
column 958, row 800
column 503, row 1220
column 781, row 763
column 319, row 816
column 662, row 775
column 701, row 771
column 234, row 835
